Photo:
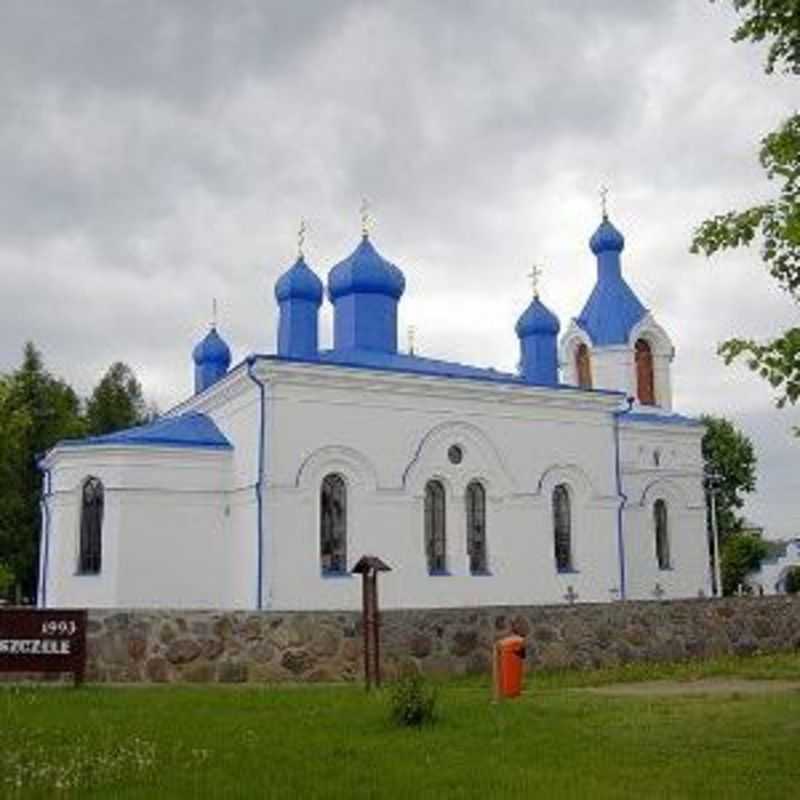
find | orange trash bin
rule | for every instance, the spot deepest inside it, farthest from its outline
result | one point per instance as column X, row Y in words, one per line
column 509, row 656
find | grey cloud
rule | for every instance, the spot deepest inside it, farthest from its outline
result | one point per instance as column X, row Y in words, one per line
column 156, row 154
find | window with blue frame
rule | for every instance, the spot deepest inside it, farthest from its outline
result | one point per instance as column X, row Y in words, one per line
column 90, row 554
column 661, row 522
column 333, row 525
column 562, row 528
column 435, row 527
column 476, row 527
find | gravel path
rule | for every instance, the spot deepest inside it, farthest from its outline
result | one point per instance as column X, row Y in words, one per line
column 698, row 687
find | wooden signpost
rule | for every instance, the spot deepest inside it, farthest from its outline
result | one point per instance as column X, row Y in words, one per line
column 369, row 567
column 43, row 641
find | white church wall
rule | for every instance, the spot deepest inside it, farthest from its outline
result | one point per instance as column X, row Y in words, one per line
column 664, row 462
column 150, row 526
column 613, row 368
column 174, row 549
column 236, row 411
column 388, row 435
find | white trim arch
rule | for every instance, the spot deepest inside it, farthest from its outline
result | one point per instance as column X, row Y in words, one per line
column 665, row 489
column 356, row 469
column 663, row 351
column 580, row 487
column 574, row 337
column 481, row 461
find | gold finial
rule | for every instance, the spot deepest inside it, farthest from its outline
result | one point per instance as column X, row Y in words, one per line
column 301, row 237
column 366, row 217
column 535, row 273
column 213, row 312
column 604, row 200
column 412, row 334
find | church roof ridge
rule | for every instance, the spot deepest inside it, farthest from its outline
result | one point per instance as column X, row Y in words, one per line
column 191, row 429
column 416, row 365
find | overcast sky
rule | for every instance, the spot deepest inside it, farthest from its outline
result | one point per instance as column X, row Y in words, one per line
column 154, row 155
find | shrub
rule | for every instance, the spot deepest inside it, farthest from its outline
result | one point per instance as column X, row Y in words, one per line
column 412, row 701
column 793, row 580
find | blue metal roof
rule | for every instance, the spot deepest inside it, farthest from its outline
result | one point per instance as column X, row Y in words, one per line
column 365, row 271
column 299, row 282
column 212, row 350
column 415, row 365
column 537, row 318
column 611, row 312
column 186, row 430
column 612, row 309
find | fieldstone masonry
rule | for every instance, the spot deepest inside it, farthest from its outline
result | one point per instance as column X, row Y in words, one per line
column 164, row 646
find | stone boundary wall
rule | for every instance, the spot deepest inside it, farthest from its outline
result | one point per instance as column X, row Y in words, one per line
column 248, row 646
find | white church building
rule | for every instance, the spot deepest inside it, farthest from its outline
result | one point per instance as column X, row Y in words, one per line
column 572, row 480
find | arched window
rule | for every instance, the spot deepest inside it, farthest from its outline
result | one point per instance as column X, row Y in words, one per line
column 435, row 527
column 662, row 534
column 562, row 528
column 333, row 525
column 476, row 527
column 645, row 385
column 583, row 366
column 91, row 544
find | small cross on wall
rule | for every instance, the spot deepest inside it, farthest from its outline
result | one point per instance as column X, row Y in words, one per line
column 658, row 591
column 571, row 596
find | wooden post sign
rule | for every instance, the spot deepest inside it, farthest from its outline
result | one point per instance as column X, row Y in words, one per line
column 43, row 641
column 369, row 567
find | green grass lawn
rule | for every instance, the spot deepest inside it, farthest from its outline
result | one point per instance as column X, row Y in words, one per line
column 324, row 741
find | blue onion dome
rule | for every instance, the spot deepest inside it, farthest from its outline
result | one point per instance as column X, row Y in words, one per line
column 299, row 282
column 606, row 239
column 212, row 350
column 537, row 319
column 366, row 271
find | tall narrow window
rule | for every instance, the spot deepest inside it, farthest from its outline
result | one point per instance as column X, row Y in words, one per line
column 662, row 534
column 333, row 525
column 645, row 385
column 435, row 527
column 583, row 366
column 476, row 527
column 562, row 528
column 91, row 543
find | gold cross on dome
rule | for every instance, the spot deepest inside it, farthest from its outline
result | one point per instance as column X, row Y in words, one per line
column 213, row 312
column 604, row 200
column 366, row 217
column 535, row 273
column 301, row 236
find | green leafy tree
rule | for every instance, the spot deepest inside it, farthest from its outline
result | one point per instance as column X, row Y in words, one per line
column 36, row 411
column 775, row 224
column 117, row 402
column 728, row 454
column 6, row 580
column 742, row 553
